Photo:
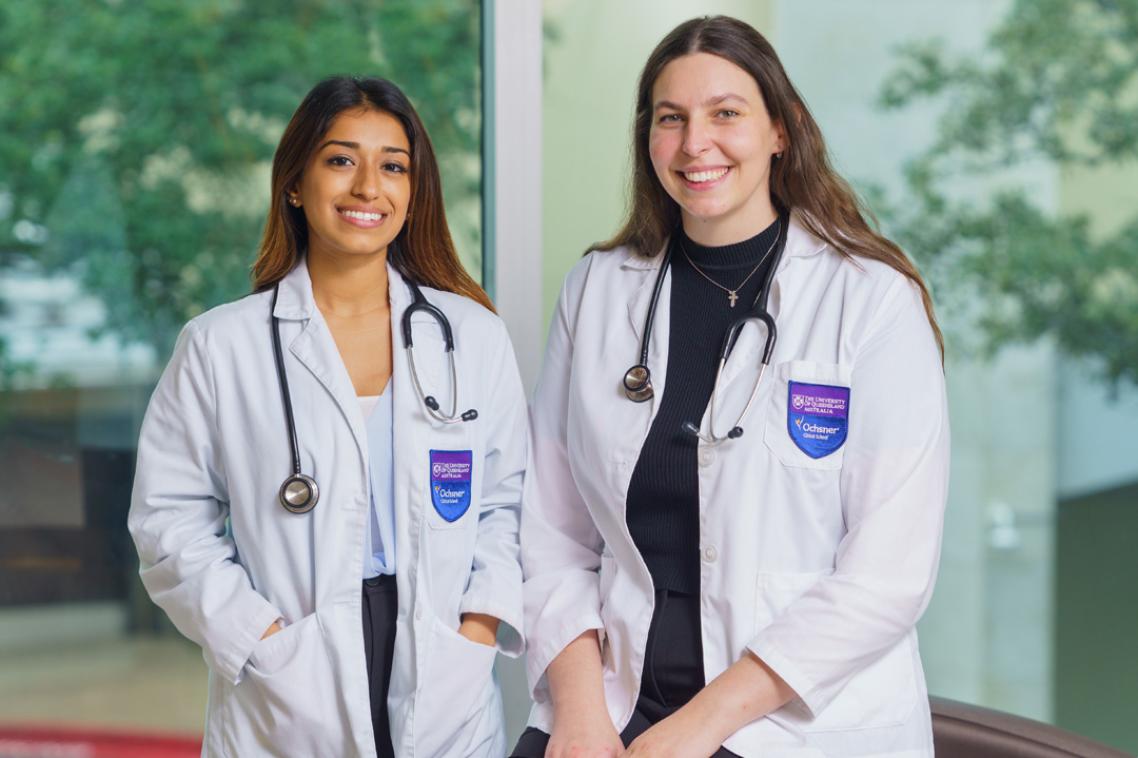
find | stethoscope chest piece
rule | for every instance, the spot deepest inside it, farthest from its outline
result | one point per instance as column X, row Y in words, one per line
column 638, row 383
column 299, row 493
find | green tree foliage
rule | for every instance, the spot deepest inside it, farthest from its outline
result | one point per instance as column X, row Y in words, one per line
column 1058, row 83
column 136, row 136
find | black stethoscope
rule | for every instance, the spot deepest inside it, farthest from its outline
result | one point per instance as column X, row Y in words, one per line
column 637, row 380
column 299, row 492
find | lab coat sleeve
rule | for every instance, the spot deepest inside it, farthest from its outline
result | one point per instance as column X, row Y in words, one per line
column 178, row 517
column 561, row 547
column 894, row 483
column 495, row 586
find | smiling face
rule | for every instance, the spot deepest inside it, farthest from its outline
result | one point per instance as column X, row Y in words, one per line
column 356, row 185
column 711, row 144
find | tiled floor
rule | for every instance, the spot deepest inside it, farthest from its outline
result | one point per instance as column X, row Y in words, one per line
column 140, row 683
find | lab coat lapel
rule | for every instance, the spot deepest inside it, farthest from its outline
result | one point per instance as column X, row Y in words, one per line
column 314, row 347
column 748, row 349
column 407, row 447
column 415, row 433
column 644, row 271
column 405, row 401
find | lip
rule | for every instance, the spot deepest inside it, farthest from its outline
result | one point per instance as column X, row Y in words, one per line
column 703, row 186
column 362, row 223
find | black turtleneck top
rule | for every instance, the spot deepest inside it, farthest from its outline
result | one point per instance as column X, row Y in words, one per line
column 663, row 496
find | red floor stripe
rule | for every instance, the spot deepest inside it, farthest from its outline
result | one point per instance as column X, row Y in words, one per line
column 85, row 742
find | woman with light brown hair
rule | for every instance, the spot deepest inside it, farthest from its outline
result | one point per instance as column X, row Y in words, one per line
column 720, row 558
column 334, row 520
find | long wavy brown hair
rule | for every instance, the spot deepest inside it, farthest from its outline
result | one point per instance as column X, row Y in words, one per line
column 422, row 251
column 802, row 179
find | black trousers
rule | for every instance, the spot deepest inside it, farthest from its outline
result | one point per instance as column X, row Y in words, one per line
column 673, row 673
column 380, row 605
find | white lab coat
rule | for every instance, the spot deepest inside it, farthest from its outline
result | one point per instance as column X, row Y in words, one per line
column 221, row 556
column 821, row 567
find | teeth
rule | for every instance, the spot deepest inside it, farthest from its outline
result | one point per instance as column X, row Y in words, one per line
column 705, row 176
column 363, row 216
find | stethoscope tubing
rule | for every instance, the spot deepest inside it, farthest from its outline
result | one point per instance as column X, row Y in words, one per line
column 299, row 492
column 286, row 396
column 430, row 404
column 736, row 430
column 637, row 380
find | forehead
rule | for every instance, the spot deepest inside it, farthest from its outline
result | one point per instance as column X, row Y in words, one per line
column 694, row 78
column 369, row 128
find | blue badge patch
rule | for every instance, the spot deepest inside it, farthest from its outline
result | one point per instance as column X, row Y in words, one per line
column 450, row 482
column 817, row 416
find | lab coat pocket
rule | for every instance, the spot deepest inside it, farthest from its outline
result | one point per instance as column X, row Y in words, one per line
column 774, row 592
column 272, row 707
column 458, row 689
column 606, row 575
column 605, row 578
column 883, row 694
column 807, row 417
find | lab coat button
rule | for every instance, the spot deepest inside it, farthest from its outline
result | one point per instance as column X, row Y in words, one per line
column 710, row 554
column 706, row 456
column 418, row 614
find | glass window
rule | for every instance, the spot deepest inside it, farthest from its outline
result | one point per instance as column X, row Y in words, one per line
column 135, row 149
column 996, row 143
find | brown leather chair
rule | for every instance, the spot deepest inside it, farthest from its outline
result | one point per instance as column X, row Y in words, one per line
column 969, row 731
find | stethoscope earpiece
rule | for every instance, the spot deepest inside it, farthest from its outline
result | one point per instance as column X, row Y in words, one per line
column 693, row 430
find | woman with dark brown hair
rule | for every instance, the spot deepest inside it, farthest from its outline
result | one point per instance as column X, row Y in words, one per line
column 721, row 559
column 333, row 520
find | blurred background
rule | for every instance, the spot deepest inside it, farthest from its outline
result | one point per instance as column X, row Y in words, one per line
column 994, row 139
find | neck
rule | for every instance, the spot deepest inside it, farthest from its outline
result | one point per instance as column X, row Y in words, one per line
column 742, row 224
column 348, row 285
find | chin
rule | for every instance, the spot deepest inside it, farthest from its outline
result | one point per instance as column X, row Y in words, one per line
column 706, row 214
column 355, row 251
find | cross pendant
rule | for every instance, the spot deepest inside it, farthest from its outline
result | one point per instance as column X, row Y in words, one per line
column 732, row 297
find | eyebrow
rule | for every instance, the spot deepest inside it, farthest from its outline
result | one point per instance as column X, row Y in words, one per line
column 356, row 146
column 710, row 101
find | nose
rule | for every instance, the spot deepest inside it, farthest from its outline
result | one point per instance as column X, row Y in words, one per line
column 697, row 138
column 365, row 184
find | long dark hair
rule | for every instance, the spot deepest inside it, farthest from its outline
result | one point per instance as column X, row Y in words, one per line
column 423, row 250
column 802, row 179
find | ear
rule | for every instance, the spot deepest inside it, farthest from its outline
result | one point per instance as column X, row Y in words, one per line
column 782, row 142
column 292, row 195
column 798, row 115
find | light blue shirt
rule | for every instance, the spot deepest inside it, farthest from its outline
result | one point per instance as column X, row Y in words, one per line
column 379, row 537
